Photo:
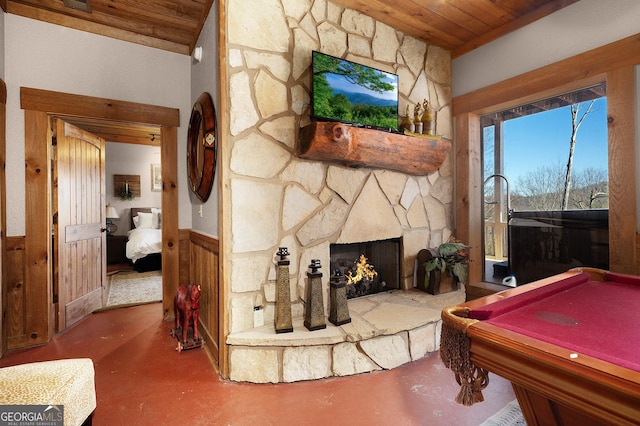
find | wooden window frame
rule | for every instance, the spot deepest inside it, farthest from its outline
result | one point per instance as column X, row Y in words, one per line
column 613, row 64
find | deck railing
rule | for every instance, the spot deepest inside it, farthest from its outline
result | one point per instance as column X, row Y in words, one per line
column 495, row 241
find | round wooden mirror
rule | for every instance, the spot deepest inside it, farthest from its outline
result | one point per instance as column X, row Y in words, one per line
column 202, row 145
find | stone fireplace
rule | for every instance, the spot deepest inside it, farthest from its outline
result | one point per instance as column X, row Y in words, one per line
column 274, row 199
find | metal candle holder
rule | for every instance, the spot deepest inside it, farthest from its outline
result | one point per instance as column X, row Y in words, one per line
column 314, row 313
column 283, row 293
column 338, row 310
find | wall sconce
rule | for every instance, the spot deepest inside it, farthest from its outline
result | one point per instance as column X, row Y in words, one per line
column 197, row 53
column 111, row 214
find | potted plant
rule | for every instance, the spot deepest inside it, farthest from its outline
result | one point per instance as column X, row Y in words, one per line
column 444, row 267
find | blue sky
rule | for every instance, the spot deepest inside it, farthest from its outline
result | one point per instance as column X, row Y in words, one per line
column 340, row 83
column 543, row 139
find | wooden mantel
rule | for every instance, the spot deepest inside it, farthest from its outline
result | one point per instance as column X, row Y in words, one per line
column 361, row 147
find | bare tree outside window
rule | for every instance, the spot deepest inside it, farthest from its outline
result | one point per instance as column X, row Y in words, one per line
column 576, row 121
column 542, row 189
column 547, row 176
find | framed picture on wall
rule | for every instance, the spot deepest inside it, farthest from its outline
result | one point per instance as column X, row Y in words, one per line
column 156, row 178
column 126, row 187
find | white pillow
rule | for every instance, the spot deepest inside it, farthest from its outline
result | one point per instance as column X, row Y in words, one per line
column 157, row 218
column 145, row 221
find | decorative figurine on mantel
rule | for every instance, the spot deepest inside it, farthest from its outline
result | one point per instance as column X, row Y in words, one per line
column 186, row 309
column 284, row 322
column 417, row 119
column 338, row 309
column 407, row 122
column 427, row 120
column 314, row 312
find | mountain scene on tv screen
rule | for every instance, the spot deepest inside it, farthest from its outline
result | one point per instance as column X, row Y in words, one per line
column 353, row 93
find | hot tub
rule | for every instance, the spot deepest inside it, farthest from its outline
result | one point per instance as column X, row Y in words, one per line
column 545, row 243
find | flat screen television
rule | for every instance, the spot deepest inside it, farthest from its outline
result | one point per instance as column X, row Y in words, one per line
column 352, row 93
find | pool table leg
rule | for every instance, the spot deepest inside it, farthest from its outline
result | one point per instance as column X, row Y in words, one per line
column 540, row 410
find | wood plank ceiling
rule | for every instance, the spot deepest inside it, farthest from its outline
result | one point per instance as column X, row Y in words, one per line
column 168, row 25
column 122, row 132
column 456, row 25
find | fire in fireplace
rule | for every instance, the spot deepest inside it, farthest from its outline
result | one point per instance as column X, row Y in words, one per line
column 368, row 267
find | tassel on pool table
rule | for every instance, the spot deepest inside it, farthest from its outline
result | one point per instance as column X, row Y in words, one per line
column 455, row 352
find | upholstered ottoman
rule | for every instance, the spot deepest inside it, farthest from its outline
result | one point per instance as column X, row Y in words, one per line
column 67, row 382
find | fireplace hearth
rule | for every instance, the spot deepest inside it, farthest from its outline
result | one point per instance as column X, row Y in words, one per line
column 368, row 267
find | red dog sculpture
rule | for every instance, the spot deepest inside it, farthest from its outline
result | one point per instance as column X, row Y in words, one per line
column 186, row 305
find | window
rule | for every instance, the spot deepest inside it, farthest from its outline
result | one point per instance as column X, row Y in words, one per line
column 549, row 155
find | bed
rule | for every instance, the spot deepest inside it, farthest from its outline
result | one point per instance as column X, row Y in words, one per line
column 144, row 245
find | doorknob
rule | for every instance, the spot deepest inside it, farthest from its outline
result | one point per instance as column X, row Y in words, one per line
column 103, row 229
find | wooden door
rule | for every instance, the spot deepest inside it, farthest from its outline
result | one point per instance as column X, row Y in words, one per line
column 4, row 329
column 79, row 241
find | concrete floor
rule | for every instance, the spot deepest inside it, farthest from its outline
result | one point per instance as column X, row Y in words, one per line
column 142, row 380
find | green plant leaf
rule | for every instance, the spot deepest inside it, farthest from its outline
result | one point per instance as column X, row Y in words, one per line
column 448, row 249
column 431, row 265
column 460, row 271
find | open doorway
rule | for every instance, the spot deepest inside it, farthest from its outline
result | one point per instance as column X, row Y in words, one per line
column 545, row 191
column 39, row 106
column 133, row 245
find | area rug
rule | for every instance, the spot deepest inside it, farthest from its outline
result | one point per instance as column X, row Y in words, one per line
column 510, row 415
column 134, row 288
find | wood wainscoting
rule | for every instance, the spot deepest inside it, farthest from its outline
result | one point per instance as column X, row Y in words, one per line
column 204, row 261
column 3, row 212
column 13, row 292
column 199, row 261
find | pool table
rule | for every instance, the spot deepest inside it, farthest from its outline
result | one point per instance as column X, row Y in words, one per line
column 569, row 344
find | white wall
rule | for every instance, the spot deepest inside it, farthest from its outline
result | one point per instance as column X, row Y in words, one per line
column 575, row 29
column 204, row 78
column 50, row 57
column 131, row 159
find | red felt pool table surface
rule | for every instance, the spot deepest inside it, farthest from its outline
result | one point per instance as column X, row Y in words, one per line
column 570, row 345
column 596, row 318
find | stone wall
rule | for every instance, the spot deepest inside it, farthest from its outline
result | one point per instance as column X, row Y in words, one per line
column 280, row 200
